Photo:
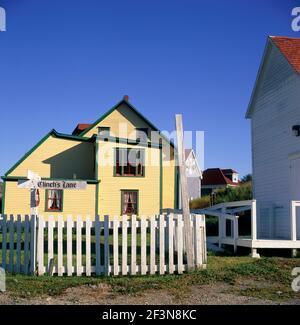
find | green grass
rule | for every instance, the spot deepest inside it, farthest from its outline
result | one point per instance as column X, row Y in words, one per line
column 268, row 278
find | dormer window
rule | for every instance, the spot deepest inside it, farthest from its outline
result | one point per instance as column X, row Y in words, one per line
column 104, row 131
column 142, row 135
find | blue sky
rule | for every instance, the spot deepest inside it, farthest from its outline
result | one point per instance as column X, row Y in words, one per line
column 68, row 61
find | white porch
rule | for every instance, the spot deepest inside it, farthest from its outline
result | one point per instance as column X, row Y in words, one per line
column 230, row 211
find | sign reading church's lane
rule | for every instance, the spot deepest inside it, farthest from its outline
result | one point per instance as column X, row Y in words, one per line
column 55, row 185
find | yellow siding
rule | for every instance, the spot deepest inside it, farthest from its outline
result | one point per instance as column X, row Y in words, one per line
column 17, row 201
column 123, row 115
column 110, row 186
column 60, row 158
column 168, row 177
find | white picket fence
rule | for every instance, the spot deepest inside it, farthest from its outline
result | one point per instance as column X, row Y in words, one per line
column 82, row 246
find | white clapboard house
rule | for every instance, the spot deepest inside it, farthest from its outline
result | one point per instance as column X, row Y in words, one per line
column 194, row 176
column 274, row 111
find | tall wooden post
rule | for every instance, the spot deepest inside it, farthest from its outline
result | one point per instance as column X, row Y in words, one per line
column 184, row 194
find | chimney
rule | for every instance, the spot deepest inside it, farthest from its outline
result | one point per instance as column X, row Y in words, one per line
column 126, row 98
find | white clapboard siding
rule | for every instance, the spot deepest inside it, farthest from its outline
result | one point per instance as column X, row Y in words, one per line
column 35, row 237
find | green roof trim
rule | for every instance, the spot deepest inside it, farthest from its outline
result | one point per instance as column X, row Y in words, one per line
column 123, row 101
column 55, row 134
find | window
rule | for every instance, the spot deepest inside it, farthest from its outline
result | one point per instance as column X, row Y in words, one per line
column 54, row 200
column 142, row 135
column 129, row 199
column 130, row 162
column 104, row 131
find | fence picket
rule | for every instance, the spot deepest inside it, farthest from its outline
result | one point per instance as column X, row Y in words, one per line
column 143, row 246
column 88, row 245
column 106, row 246
column 152, row 245
column 97, row 243
column 4, row 241
column 33, row 243
column 116, row 245
column 171, row 243
column 197, row 241
column 168, row 227
column 40, row 245
column 124, row 245
column 179, row 244
column 161, row 244
column 11, row 244
column 133, row 245
column 18, row 247
column 69, row 246
column 60, row 246
column 78, row 246
column 50, row 243
column 26, row 245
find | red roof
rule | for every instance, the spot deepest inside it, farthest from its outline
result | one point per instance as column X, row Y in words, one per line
column 290, row 48
column 80, row 128
column 215, row 176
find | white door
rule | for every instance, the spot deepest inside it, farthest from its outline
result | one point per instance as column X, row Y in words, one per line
column 295, row 187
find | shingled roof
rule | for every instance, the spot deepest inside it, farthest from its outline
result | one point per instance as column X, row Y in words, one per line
column 290, row 48
column 215, row 176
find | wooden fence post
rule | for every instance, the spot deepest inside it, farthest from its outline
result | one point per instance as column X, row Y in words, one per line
column 184, row 194
column 33, row 244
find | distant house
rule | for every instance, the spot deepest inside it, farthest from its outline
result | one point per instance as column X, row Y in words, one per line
column 217, row 178
column 274, row 110
column 194, row 174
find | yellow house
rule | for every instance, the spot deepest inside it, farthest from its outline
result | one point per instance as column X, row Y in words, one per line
column 129, row 168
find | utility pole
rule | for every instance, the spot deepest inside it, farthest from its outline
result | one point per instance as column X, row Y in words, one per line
column 184, row 194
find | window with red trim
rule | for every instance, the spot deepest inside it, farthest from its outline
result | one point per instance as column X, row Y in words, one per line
column 129, row 201
column 130, row 162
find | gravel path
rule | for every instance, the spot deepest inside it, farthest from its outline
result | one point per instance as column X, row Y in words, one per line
column 217, row 294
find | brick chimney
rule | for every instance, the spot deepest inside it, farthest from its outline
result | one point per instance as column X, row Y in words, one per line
column 126, row 98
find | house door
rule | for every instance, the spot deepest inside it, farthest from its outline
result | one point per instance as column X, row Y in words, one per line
column 295, row 187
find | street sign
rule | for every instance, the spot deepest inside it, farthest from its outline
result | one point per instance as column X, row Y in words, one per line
column 54, row 185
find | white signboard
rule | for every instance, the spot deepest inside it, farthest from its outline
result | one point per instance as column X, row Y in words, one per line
column 54, row 185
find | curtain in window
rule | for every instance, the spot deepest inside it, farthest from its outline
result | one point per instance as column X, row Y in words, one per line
column 54, row 199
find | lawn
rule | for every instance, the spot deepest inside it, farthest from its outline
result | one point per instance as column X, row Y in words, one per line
column 266, row 278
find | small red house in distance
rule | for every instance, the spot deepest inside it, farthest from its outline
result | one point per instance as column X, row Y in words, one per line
column 217, row 178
